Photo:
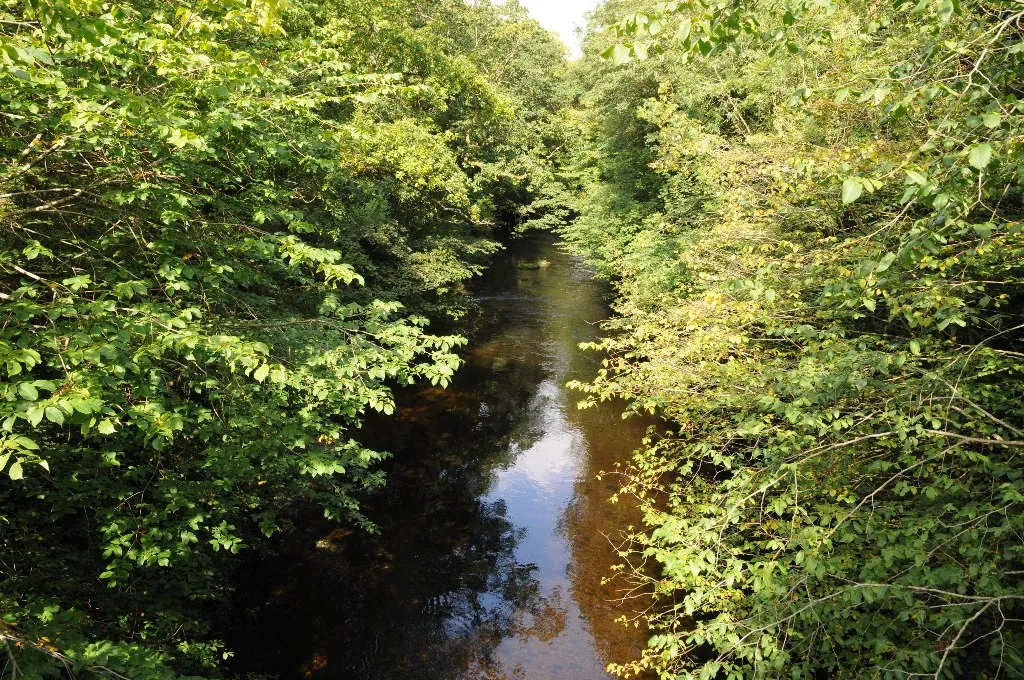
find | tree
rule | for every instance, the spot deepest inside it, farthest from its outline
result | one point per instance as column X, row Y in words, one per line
column 224, row 227
column 823, row 300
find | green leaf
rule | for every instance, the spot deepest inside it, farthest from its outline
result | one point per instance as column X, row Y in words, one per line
column 28, row 391
column 945, row 10
column 106, row 426
column 34, row 415
column 685, row 26
column 980, row 155
column 261, row 373
column 851, row 191
column 885, row 262
column 992, row 120
column 15, row 472
column 617, row 54
column 55, row 415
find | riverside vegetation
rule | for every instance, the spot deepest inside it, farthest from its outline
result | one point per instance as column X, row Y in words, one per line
column 227, row 226
column 813, row 212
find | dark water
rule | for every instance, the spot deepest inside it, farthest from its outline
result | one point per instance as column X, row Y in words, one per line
column 495, row 533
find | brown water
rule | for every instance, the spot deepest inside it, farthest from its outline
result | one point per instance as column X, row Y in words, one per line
column 495, row 533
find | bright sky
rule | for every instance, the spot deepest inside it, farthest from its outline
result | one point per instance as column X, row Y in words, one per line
column 562, row 17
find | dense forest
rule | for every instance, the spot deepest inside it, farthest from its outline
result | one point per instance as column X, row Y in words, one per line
column 231, row 230
column 226, row 228
column 813, row 213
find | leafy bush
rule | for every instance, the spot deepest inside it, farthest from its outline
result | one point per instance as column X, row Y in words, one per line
column 224, row 226
column 824, row 300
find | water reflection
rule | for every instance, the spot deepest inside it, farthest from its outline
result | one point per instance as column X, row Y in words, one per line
column 493, row 527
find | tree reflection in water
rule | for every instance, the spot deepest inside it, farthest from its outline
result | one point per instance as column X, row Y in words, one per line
column 454, row 586
column 436, row 592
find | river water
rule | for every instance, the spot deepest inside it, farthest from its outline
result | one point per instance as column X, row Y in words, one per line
column 495, row 533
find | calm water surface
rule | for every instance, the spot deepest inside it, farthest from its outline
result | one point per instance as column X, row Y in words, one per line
column 495, row 532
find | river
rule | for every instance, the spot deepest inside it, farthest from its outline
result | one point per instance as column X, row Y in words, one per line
column 495, row 532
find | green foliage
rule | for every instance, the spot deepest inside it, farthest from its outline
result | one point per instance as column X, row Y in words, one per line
column 822, row 293
column 223, row 226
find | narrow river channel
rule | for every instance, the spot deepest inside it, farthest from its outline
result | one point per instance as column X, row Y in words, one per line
column 494, row 529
